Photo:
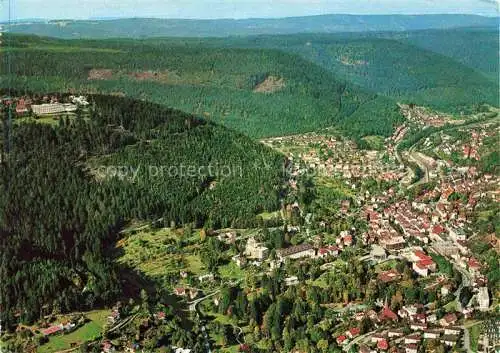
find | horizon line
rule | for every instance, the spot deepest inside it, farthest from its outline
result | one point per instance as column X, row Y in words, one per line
column 114, row 18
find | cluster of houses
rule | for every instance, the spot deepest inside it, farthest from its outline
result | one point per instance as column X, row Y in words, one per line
column 469, row 150
column 190, row 293
column 423, row 117
column 442, row 224
column 419, row 325
column 256, row 253
column 332, row 157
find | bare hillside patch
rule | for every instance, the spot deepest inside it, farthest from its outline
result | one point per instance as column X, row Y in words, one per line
column 347, row 61
column 158, row 76
column 270, row 84
column 100, row 74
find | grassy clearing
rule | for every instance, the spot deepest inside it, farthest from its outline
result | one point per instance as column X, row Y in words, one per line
column 49, row 120
column 388, row 265
column 375, row 142
column 474, row 333
column 329, row 193
column 87, row 332
column 266, row 216
column 335, row 185
column 451, row 307
column 194, row 264
column 231, row 272
column 156, row 253
column 320, row 282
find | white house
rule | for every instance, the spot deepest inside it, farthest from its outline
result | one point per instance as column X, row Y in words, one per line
column 255, row 250
column 291, row 281
column 432, row 334
column 209, row 277
column 483, row 298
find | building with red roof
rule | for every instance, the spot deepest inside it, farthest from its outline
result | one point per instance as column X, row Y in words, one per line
column 438, row 229
column 389, row 276
column 448, row 320
column 473, row 264
column 411, row 348
column 341, row 340
column 52, row 330
column 329, row 250
column 383, row 345
column 388, row 314
column 353, row 332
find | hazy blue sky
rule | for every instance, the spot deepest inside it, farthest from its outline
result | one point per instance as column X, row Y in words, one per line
column 56, row 9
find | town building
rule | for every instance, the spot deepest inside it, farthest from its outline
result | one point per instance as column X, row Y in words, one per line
column 432, row 334
column 291, row 281
column 331, row 250
column 411, row 348
column 448, row 320
column 239, row 260
column 483, row 299
column 296, row 252
column 389, row 276
column 449, row 340
column 53, row 108
column 255, row 250
column 209, row 277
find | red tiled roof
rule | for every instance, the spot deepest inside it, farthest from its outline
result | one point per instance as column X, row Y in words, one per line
column 438, row 229
column 180, row 290
column 388, row 314
column 51, row 330
column 341, row 339
column 473, row 263
column 420, row 317
column 450, row 317
column 421, row 255
column 415, row 337
column 160, row 315
column 382, row 344
column 425, row 263
column 354, row 331
column 389, row 276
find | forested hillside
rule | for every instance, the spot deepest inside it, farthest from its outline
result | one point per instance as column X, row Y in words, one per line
column 394, row 65
column 477, row 48
column 73, row 186
column 260, row 92
column 149, row 27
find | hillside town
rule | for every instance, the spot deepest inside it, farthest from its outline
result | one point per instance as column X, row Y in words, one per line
column 390, row 260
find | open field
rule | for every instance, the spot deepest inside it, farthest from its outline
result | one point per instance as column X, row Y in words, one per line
column 155, row 254
column 474, row 333
column 374, row 142
column 231, row 271
column 87, row 332
column 50, row 120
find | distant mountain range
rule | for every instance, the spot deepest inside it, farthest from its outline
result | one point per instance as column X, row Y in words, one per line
column 149, row 27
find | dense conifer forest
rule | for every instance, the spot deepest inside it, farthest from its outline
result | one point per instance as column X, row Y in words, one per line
column 65, row 201
column 260, row 92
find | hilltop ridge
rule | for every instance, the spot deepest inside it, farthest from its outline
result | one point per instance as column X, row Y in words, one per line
column 156, row 27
